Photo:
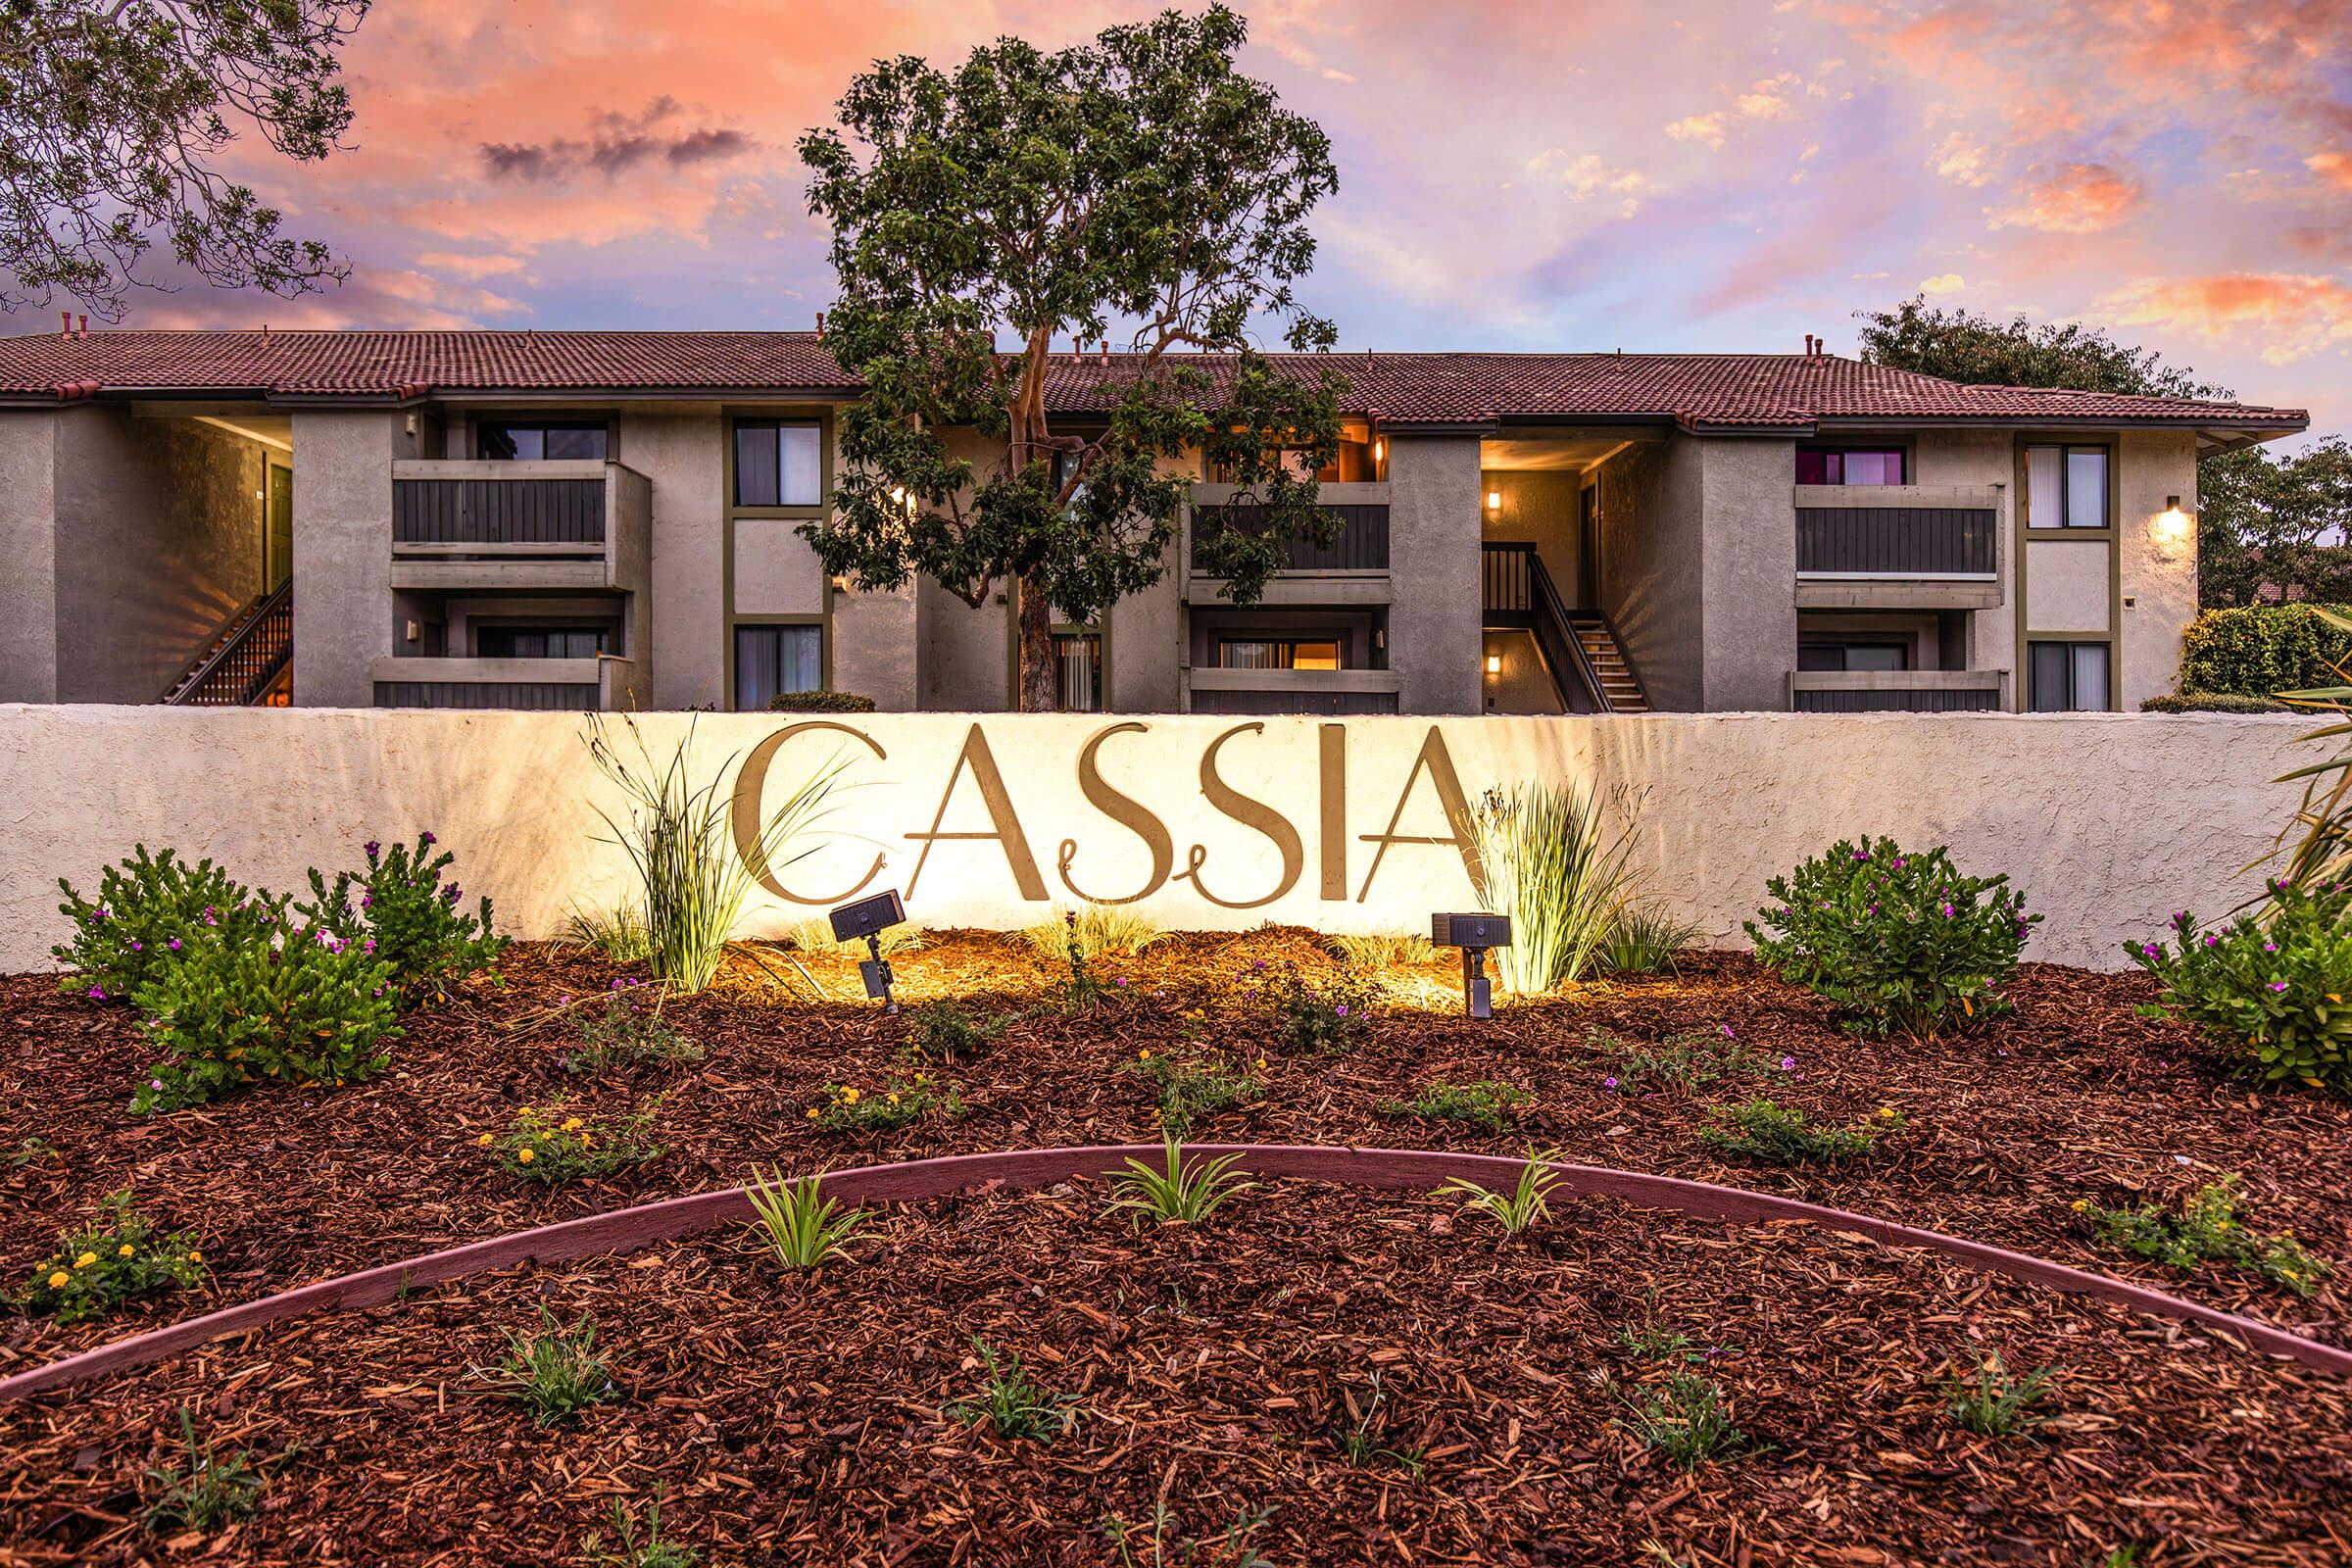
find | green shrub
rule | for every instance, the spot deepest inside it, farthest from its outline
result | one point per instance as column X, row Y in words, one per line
column 943, row 1032
column 1685, row 1061
column 2257, row 649
column 1687, row 1420
column 1898, row 940
column 1643, row 940
column 1549, row 859
column 555, row 1372
column 408, row 916
column 117, row 1260
column 148, row 909
column 549, row 1148
column 2267, row 990
column 819, row 701
column 1189, row 1088
column 1484, row 1104
column 2206, row 1229
column 1762, row 1130
column 630, row 1035
column 2213, row 702
column 313, row 1009
column 1331, row 1016
column 900, row 1102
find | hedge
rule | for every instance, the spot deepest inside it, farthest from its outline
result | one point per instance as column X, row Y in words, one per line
column 2214, row 703
column 2258, row 650
column 819, row 701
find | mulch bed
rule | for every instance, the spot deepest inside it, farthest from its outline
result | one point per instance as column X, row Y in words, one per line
column 2071, row 1097
column 1216, row 1369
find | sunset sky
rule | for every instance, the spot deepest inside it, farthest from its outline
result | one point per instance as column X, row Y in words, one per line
column 1710, row 174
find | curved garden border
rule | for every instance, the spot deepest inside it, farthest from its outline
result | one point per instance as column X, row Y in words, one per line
column 625, row 1229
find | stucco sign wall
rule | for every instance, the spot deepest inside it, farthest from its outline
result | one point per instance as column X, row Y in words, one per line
column 2108, row 822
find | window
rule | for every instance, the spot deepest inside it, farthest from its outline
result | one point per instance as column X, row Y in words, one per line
column 1282, row 652
column 2067, row 676
column 2066, row 487
column 1355, row 462
column 1849, row 465
column 532, row 440
column 779, row 463
column 539, row 642
column 771, row 660
column 1077, row 672
column 1853, row 656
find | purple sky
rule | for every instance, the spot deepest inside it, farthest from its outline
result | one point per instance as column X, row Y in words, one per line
column 1712, row 174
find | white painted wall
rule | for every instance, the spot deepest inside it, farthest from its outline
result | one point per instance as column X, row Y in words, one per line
column 2108, row 822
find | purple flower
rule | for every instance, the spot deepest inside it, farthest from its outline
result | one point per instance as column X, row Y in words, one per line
column 1947, row 912
column 102, row 912
column 1861, row 854
column 2270, row 947
column 138, row 947
column 2151, row 949
column 1727, row 1032
column 425, row 839
column 373, row 848
column 1608, row 1083
column 2278, row 985
column 1787, row 1064
column 1340, row 1011
column 97, row 993
column 155, row 1083
column 1258, row 964
column 452, row 894
column 174, row 944
column 2209, row 939
column 1120, row 981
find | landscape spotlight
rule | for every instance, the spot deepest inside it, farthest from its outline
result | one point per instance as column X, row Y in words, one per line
column 868, row 918
column 1476, row 935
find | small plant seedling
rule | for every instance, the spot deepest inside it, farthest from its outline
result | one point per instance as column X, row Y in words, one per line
column 1522, row 1208
column 1687, row 1421
column 1165, row 1546
column 1189, row 1090
column 1014, row 1402
column 1362, row 1444
column 656, row 1550
column 898, row 1103
column 205, row 1489
column 1763, row 1131
column 1485, row 1103
column 803, row 1227
column 2206, row 1229
column 1179, row 1191
column 555, row 1372
column 943, row 1032
column 551, row 1149
column 1683, row 1061
column 630, row 1035
column 1994, row 1405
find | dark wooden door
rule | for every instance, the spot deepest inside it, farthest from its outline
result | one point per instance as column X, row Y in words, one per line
column 277, row 531
column 1588, row 548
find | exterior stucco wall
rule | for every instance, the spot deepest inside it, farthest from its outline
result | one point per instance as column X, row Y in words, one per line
column 1436, row 624
column 1651, row 550
column 2159, row 565
column 1980, row 459
column 1749, row 586
column 343, row 608
column 159, row 539
column 1538, row 508
column 683, row 452
column 1728, row 800
column 29, row 557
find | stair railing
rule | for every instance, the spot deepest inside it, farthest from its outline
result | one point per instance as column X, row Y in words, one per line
column 237, row 657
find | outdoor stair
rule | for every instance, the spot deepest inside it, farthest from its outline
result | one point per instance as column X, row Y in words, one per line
column 243, row 657
column 1619, row 688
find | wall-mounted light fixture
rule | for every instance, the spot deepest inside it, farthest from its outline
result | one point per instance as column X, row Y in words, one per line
column 1493, row 664
column 2172, row 521
column 1380, row 449
column 1493, row 501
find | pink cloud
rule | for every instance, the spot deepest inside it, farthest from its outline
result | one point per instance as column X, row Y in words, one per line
column 2074, row 199
column 2291, row 317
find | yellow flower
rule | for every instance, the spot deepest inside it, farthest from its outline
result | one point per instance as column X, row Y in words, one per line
column 60, row 1280
column 86, row 1260
column 195, row 1256
column 894, row 1098
column 585, row 1140
column 1885, row 1110
column 2333, row 997
column 1262, row 1064
column 484, row 1141
column 2082, row 1205
column 812, row 1113
column 526, row 1112
column 573, row 1124
column 124, row 1251
column 523, row 1157
column 1142, row 1055
column 849, row 1096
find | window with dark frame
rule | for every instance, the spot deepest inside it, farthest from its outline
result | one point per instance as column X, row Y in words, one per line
column 1279, row 653
column 1842, row 657
column 539, row 642
column 771, row 660
column 2066, row 677
column 2066, row 486
column 541, row 440
column 1871, row 466
column 1078, row 672
column 779, row 463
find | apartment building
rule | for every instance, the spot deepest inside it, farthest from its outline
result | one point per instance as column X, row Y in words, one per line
column 609, row 521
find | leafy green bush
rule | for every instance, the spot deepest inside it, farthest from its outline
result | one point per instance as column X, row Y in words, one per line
column 819, row 701
column 1683, row 1060
column 545, row 1147
column 898, row 1103
column 148, row 909
column 1313, row 1017
column 2213, row 702
column 1898, row 940
column 2206, row 1229
column 2259, row 648
column 408, row 916
column 629, row 1035
column 2267, row 990
column 310, row 1009
column 1189, row 1088
column 121, row 1257
column 1484, row 1104
column 1762, row 1130
column 943, row 1032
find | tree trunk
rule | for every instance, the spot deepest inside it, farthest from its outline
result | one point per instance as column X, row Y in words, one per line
column 1037, row 650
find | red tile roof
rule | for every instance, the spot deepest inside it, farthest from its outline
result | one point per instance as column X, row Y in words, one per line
column 1698, row 391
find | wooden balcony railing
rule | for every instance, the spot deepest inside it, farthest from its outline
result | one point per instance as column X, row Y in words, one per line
column 546, row 685
column 1362, row 511
column 1898, row 691
column 1896, row 531
column 520, row 527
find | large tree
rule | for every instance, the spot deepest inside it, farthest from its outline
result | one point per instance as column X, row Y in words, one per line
column 1032, row 199
column 113, row 117
column 2281, row 520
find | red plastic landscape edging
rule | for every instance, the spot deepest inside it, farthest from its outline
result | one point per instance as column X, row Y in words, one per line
column 627, row 1228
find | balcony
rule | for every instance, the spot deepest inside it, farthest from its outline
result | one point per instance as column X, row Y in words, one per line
column 1898, row 691
column 555, row 526
column 1291, row 691
column 1352, row 570
column 546, row 685
column 1897, row 547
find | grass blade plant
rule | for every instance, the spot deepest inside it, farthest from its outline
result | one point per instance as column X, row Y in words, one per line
column 205, row 1489
column 802, row 1226
column 557, row 1372
column 682, row 839
column 1550, row 859
column 1525, row 1204
column 1994, row 1404
column 1687, row 1421
column 1014, row 1402
column 1179, row 1193
column 1094, row 929
column 1645, row 940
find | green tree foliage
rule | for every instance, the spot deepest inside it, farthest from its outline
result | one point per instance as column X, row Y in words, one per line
column 2260, row 519
column 113, row 117
column 1026, row 197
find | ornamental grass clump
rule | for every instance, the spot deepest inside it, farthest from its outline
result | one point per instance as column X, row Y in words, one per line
column 2266, row 991
column 681, row 841
column 1096, row 930
column 148, row 910
column 120, row 1258
column 307, row 1007
column 2205, row 1229
column 1761, row 1130
column 803, row 1227
column 1013, row 1402
column 1190, row 1086
column 1899, row 940
column 551, row 1147
column 557, row 1372
column 407, row 914
column 1548, row 859
column 205, row 1489
column 1527, row 1204
column 1179, row 1190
